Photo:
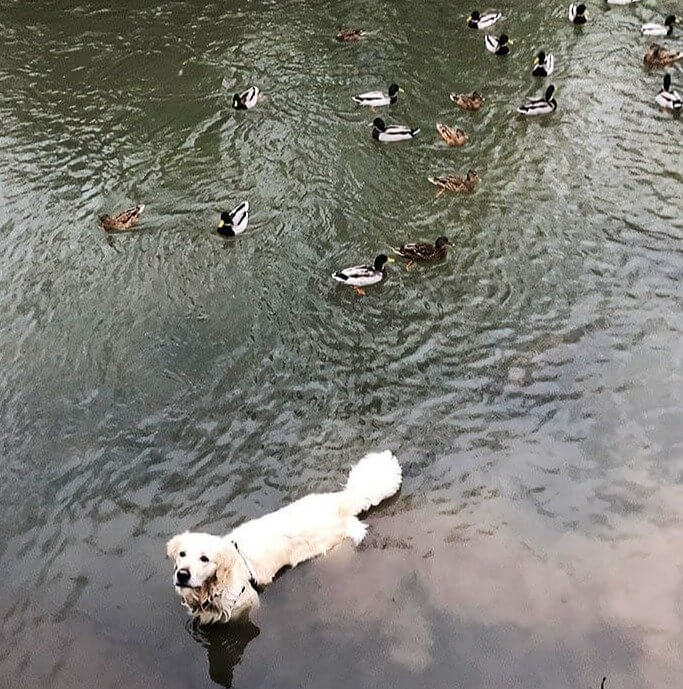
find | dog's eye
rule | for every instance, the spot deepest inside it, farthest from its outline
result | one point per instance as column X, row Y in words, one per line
column 203, row 558
column 182, row 553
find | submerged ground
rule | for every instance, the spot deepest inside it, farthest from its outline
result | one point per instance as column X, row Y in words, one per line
column 170, row 379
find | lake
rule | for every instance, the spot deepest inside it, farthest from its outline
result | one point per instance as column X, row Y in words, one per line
column 172, row 379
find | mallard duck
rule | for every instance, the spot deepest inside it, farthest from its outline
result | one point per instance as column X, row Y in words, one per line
column 453, row 136
column 577, row 13
column 423, row 252
column 498, row 46
column 246, row 100
column 656, row 56
column 393, row 132
column 472, row 101
column 124, row 221
column 539, row 106
column 665, row 29
column 346, row 35
column 234, row 222
column 543, row 65
column 363, row 276
column 376, row 99
column 667, row 97
column 483, row 21
column 463, row 185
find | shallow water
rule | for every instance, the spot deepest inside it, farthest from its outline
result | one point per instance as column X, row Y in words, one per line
column 170, row 379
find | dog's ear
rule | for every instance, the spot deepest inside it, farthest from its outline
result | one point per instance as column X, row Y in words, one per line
column 173, row 546
column 225, row 560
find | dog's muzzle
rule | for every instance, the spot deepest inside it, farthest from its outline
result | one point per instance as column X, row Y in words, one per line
column 182, row 577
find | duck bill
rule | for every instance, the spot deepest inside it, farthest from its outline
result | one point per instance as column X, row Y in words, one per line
column 221, row 223
column 400, row 90
column 391, row 260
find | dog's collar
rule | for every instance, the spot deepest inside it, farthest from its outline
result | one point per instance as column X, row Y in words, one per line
column 252, row 578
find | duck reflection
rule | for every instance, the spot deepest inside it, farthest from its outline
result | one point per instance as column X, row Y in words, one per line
column 225, row 644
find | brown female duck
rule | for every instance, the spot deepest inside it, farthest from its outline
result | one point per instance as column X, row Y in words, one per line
column 472, row 101
column 423, row 252
column 657, row 56
column 348, row 35
column 453, row 136
column 463, row 185
column 124, row 221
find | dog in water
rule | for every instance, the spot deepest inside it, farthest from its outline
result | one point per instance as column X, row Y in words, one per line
column 218, row 577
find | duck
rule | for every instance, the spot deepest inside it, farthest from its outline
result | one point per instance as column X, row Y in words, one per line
column 498, row 46
column 543, row 64
column 656, row 56
column 124, row 221
column 577, row 13
column 246, row 100
column 363, row 276
column 464, row 101
column 665, row 29
column 453, row 136
column 393, row 132
column 539, row 106
column 483, row 21
column 235, row 222
column 346, row 35
column 667, row 97
column 423, row 252
column 377, row 99
column 463, row 185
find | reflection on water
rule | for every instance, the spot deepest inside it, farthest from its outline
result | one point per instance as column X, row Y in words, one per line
column 168, row 379
column 225, row 644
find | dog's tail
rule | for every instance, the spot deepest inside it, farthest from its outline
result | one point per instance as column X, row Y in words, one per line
column 374, row 478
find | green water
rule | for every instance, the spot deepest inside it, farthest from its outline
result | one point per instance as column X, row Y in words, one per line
column 172, row 379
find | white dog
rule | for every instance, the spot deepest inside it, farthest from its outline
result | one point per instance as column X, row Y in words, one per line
column 217, row 577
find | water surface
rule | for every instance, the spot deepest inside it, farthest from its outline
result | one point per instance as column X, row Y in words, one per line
column 170, row 379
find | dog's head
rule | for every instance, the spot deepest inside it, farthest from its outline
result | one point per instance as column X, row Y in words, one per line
column 206, row 566
column 199, row 559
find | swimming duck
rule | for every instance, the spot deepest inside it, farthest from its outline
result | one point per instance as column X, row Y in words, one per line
column 376, row 99
column 246, row 100
column 423, row 252
column 346, row 35
column 453, row 136
column 483, row 21
column 577, row 13
column 392, row 132
column 463, row 185
column 543, row 65
column 498, row 46
column 124, row 221
column 656, row 56
column 363, row 276
column 235, row 222
column 473, row 101
column 667, row 97
column 539, row 106
column 665, row 29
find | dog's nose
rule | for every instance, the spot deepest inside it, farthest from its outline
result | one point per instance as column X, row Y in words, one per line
column 182, row 576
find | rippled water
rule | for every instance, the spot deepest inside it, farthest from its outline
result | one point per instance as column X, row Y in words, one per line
column 170, row 379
